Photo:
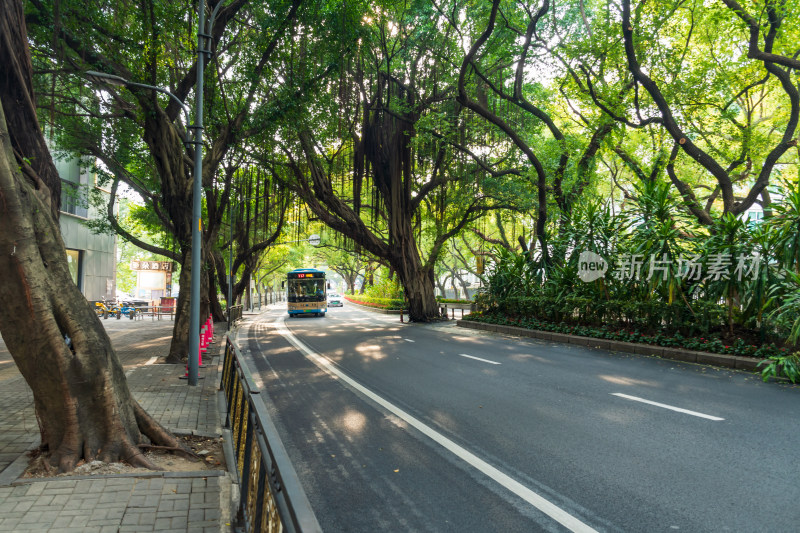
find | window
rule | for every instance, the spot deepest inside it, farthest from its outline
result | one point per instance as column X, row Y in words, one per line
column 75, row 267
column 73, row 199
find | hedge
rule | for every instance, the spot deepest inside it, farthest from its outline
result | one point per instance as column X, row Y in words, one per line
column 452, row 301
column 392, row 304
column 647, row 316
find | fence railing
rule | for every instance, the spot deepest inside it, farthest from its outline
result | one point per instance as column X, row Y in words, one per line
column 235, row 313
column 272, row 499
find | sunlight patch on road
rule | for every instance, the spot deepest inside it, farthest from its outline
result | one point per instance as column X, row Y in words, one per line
column 353, row 421
column 622, row 380
column 373, row 351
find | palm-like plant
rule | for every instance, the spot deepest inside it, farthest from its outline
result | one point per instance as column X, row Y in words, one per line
column 787, row 312
column 728, row 258
column 786, row 222
column 659, row 229
column 511, row 274
column 755, row 294
column 591, row 227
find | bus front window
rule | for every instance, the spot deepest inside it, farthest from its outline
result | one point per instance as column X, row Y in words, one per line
column 306, row 290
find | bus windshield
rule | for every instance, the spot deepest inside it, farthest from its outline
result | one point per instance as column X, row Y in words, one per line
column 306, row 290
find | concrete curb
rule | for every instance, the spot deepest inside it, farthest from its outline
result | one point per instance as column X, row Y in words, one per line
column 139, row 475
column 737, row 362
column 13, row 472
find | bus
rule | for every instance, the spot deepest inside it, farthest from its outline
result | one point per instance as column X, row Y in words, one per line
column 306, row 292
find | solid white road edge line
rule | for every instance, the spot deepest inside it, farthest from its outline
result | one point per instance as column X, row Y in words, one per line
column 556, row 513
column 479, row 359
column 665, row 406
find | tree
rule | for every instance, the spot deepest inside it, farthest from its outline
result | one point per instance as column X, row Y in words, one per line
column 486, row 81
column 137, row 134
column 84, row 407
column 346, row 262
column 715, row 85
column 392, row 126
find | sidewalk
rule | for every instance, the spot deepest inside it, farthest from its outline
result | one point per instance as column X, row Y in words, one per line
column 156, row 501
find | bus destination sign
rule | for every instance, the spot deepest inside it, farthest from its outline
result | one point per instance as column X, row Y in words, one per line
column 302, row 275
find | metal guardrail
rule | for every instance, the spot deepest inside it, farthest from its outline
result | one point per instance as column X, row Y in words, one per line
column 235, row 313
column 272, row 499
column 444, row 306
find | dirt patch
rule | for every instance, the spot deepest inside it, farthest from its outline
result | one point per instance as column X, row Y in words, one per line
column 208, row 451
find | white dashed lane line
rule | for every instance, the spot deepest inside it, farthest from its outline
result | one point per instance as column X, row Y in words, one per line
column 665, row 406
column 479, row 359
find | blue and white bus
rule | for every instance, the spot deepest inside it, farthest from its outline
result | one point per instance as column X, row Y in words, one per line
column 306, row 292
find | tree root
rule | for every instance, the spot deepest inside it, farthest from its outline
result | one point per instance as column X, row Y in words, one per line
column 175, row 360
column 151, row 429
column 177, row 449
column 137, row 458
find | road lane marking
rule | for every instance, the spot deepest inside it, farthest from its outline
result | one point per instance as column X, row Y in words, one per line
column 553, row 511
column 479, row 359
column 665, row 406
column 150, row 361
column 409, row 340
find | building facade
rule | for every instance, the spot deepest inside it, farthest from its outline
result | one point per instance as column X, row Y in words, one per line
column 91, row 257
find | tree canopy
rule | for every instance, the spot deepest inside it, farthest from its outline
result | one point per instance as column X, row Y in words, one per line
column 403, row 126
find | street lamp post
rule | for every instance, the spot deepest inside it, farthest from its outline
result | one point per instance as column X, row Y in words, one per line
column 194, row 299
column 197, row 252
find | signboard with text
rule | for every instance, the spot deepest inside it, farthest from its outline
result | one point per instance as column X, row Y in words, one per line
column 165, row 266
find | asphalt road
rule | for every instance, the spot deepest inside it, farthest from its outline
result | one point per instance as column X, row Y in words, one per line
column 405, row 427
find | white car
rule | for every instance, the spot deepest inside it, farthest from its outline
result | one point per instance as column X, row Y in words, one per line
column 335, row 300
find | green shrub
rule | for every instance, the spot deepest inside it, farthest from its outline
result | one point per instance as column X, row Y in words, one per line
column 386, row 288
column 787, row 366
column 452, row 301
column 382, row 303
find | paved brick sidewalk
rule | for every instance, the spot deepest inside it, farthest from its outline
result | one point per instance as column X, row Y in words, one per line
column 162, row 502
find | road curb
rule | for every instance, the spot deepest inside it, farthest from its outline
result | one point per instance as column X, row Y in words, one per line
column 737, row 362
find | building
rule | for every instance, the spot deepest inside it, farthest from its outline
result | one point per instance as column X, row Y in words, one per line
column 91, row 257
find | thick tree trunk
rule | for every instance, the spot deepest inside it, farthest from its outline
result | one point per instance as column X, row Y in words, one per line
column 421, row 297
column 179, row 348
column 417, row 281
column 82, row 401
column 215, row 308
